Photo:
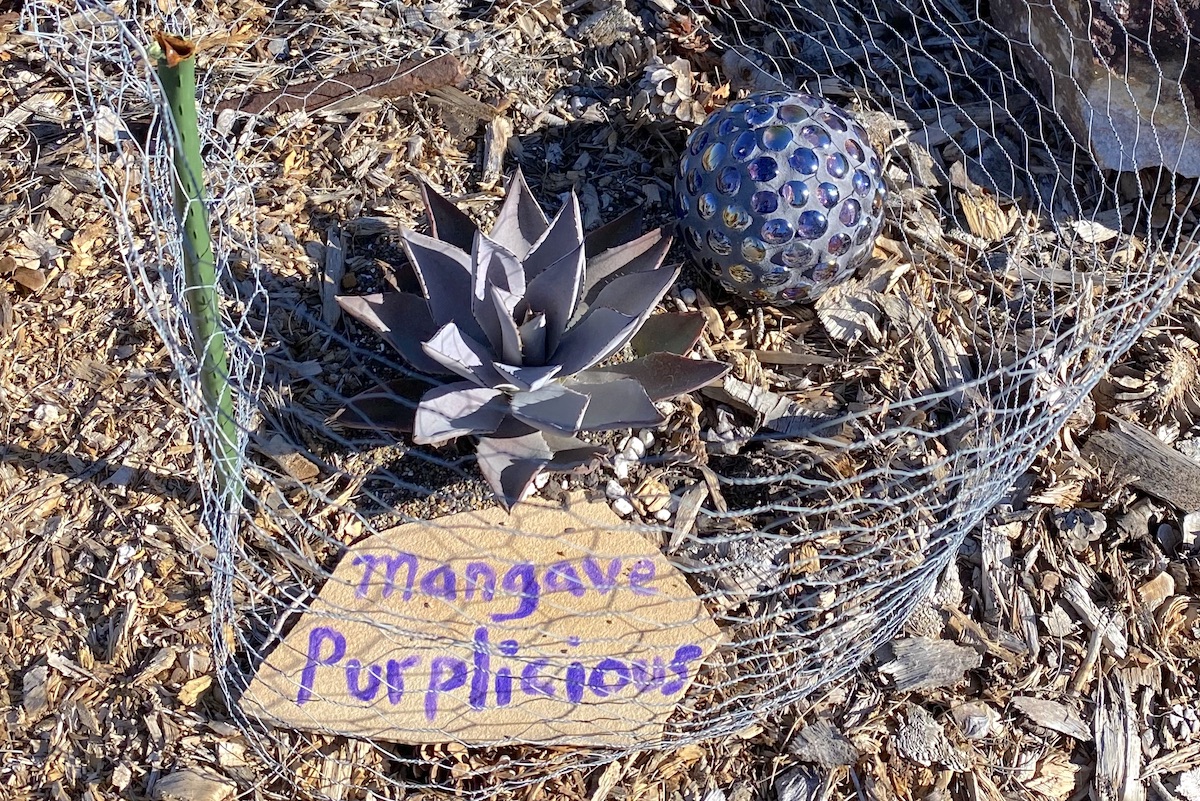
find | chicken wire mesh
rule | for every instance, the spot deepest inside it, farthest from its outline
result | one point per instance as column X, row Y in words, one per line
column 1017, row 262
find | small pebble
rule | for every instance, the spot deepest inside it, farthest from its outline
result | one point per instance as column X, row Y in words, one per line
column 662, row 515
column 278, row 47
column 688, row 296
column 636, row 447
column 621, row 467
column 647, row 437
column 623, row 507
column 623, row 444
column 541, row 480
column 614, row 490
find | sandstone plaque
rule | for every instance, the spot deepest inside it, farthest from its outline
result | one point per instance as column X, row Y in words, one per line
column 547, row 625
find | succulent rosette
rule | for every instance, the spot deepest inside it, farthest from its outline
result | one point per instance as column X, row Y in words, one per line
column 516, row 322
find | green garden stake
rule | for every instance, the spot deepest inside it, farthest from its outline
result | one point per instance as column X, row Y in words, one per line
column 176, row 62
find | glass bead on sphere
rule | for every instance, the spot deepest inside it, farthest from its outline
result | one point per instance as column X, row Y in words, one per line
column 780, row 196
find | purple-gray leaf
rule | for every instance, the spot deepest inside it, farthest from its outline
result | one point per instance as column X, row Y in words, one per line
column 527, row 379
column 445, row 274
column 390, row 407
column 510, row 336
column 554, row 293
column 456, row 410
column 510, row 464
column 594, row 338
column 533, row 340
column 446, row 221
column 673, row 332
column 492, row 263
column 561, row 238
column 552, row 406
column 616, row 404
column 636, row 294
column 621, row 230
column 662, row 375
column 462, row 355
column 402, row 320
column 520, row 221
column 644, row 253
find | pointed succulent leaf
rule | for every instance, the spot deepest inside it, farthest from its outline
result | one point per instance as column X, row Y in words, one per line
column 445, row 273
column 492, row 263
column 554, row 293
column 520, row 221
column 636, row 294
column 616, row 404
column 533, row 340
column 527, row 378
column 563, row 236
column 642, row 254
column 597, row 336
column 462, row 355
column 668, row 333
column 551, row 407
column 446, row 221
column 510, row 464
column 510, row 336
column 402, row 320
column 456, row 410
column 623, row 229
column 493, row 268
column 662, row 375
column 390, row 407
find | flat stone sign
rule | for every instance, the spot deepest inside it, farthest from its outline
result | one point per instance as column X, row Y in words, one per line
column 547, row 625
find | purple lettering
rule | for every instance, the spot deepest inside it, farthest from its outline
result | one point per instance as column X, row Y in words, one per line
column 647, row 676
column 354, row 673
column 440, row 583
column 683, row 655
column 521, row 581
column 394, row 563
column 601, row 580
column 480, row 675
column 317, row 638
column 368, row 562
column 575, row 682
column 504, row 687
column 640, row 575
column 395, row 676
column 561, row 577
column 599, row 681
column 480, row 575
column 445, row 674
column 532, row 682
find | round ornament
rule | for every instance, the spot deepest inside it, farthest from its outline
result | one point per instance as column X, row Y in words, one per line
column 780, row 196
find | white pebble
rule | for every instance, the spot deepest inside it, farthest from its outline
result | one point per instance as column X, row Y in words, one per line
column 621, row 467
column 623, row 444
column 623, row 507
column 688, row 296
column 614, row 490
column 646, row 436
column 541, row 480
column 637, row 447
column 662, row 515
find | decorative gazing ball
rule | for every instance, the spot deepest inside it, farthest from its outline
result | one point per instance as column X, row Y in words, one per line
column 780, row 196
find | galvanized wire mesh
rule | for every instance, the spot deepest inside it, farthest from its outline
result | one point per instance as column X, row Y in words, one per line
column 829, row 534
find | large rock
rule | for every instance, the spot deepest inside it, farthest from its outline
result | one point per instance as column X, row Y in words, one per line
column 1117, row 73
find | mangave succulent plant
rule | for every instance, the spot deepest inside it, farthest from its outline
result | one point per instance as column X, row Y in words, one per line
column 518, row 320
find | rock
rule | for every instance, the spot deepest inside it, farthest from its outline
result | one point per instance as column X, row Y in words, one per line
column 623, row 507
column 1131, row 108
column 823, row 744
column 191, row 785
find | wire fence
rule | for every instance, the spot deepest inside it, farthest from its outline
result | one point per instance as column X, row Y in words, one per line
column 1028, row 240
